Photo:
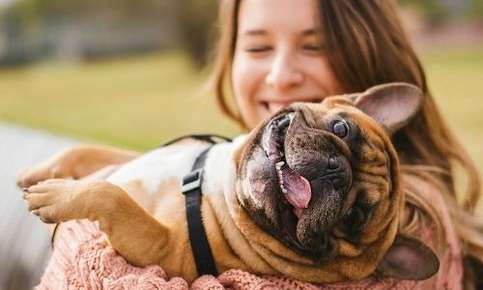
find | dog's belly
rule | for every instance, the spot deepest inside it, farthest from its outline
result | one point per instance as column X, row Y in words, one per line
column 154, row 179
column 154, row 182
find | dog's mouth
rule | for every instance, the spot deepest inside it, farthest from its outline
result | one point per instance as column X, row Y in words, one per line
column 295, row 188
column 312, row 178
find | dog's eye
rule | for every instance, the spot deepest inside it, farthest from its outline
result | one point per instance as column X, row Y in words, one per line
column 340, row 128
column 353, row 219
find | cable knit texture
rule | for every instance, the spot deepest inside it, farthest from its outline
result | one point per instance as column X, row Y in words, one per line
column 83, row 259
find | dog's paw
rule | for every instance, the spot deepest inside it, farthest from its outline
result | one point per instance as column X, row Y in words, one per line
column 33, row 175
column 57, row 166
column 57, row 200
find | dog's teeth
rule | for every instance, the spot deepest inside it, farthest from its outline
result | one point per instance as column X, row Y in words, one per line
column 279, row 165
column 283, row 189
column 279, row 173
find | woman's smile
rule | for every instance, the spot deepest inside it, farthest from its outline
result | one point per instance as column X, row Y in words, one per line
column 275, row 104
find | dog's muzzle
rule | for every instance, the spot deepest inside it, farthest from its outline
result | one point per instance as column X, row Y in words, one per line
column 313, row 175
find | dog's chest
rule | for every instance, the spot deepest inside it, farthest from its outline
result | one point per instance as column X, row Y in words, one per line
column 154, row 179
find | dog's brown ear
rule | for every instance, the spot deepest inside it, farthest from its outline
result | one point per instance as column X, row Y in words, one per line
column 408, row 259
column 392, row 105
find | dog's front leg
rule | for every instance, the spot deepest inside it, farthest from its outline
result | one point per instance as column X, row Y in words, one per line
column 75, row 162
column 132, row 231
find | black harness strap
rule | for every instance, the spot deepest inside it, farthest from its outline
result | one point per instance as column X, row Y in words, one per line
column 210, row 138
column 205, row 263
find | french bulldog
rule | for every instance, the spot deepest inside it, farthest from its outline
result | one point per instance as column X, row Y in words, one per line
column 312, row 193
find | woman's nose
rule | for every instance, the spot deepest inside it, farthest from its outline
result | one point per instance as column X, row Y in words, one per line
column 284, row 73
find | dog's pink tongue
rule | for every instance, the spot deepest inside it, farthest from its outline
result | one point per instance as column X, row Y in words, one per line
column 298, row 188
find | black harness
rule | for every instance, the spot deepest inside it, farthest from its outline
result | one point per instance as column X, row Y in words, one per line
column 205, row 263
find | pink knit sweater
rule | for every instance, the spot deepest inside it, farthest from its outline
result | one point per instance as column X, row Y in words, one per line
column 83, row 259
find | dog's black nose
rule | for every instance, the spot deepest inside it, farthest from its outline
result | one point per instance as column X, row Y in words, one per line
column 334, row 170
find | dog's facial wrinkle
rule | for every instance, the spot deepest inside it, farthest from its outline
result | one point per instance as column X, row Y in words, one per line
column 353, row 223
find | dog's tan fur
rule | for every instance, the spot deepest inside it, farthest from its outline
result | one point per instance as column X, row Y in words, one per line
column 148, row 225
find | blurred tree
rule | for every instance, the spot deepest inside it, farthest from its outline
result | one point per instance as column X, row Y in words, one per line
column 120, row 9
column 475, row 10
column 435, row 11
column 196, row 21
column 19, row 26
column 191, row 21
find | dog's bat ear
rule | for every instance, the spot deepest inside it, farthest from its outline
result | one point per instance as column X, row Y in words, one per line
column 392, row 104
column 408, row 259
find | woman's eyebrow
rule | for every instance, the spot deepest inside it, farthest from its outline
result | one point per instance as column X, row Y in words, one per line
column 311, row 31
column 262, row 32
column 254, row 32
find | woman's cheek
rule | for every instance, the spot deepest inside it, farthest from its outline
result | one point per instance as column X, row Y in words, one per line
column 247, row 78
column 319, row 71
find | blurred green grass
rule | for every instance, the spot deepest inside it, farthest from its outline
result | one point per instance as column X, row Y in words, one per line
column 135, row 102
column 455, row 77
column 140, row 102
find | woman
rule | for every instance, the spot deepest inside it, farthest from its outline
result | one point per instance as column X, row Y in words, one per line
column 275, row 52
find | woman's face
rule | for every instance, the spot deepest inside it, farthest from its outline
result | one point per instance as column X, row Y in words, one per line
column 279, row 57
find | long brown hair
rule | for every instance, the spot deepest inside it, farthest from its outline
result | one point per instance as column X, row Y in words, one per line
column 366, row 46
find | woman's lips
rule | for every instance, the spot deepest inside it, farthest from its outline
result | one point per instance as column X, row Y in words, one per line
column 274, row 107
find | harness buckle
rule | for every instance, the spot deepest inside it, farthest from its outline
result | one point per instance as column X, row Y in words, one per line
column 192, row 181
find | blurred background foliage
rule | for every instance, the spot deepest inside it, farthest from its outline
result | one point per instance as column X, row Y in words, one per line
column 438, row 11
column 32, row 30
column 131, row 73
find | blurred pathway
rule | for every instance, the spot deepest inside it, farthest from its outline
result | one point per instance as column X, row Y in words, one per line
column 24, row 244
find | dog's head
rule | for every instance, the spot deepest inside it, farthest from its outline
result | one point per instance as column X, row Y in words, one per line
column 323, row 180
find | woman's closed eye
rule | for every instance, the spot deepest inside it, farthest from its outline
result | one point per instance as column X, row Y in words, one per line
column 314, row 48
column 258, row 49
